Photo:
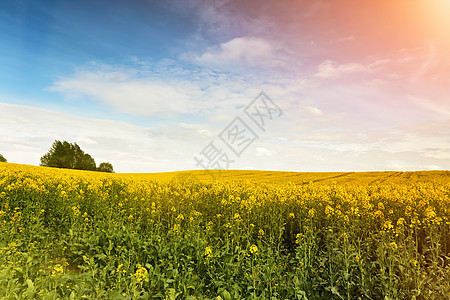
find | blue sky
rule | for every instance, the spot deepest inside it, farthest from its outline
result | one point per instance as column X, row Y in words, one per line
column 147, row 85
column 43, row 40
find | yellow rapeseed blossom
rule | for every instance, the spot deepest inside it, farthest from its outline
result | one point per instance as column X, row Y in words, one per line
column 298, row 238
column 253, row 249
column 393, row 245
column 231, row 210
column 388, row 225
column 261, row 233
column 120, row 269
column 208, row 252
column 378, row 214
column 141, row 273
column 57, row 270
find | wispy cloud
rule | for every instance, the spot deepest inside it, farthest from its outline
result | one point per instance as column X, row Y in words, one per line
column 242, row 53
column 128, row 93
column 331, row 70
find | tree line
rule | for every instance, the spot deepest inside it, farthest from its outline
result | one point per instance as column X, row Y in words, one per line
column 70, row 156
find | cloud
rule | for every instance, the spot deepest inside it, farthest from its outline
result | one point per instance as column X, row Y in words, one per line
column 348, row 38
column 201, row 129
column 170, row 89
column 131, row 94
column 26, row 133
column 314, row 111
column 330, row 69
column 434, row 105
column 246, row 51
column 261, row 151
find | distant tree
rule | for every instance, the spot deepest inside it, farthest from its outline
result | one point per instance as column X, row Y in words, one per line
column 68, row 156
column 2, row 158
column 105, row 167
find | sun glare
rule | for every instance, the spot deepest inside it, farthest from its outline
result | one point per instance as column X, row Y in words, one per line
column 440, row 11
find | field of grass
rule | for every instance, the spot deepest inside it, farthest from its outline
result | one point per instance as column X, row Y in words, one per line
column 235, row 235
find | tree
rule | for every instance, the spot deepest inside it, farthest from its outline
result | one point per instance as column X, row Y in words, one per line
column 68, row 156
column 105, row 167
column 2, row 158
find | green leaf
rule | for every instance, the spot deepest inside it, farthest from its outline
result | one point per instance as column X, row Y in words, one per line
column 30, row 285
column 226, row 295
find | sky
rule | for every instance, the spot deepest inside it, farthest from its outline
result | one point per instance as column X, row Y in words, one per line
column 153, row 86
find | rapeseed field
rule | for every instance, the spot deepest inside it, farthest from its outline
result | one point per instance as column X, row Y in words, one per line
column 67, row 234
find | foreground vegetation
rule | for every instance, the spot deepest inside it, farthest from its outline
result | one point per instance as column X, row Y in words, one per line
column 254, row 235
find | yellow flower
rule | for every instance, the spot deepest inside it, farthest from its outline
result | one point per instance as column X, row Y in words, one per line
column 393, row 245
column 209, row 225
column 429, row 213
column 253, row 249
column 76, row 210
column 378, row 214
column 119, row 268
column 208, row 252
column 311, row 213
column 141, row 273
column 357, row 258
column 291, row 215
column 408, row 211
column 57, row 270
column 388, row 225
column 413, row 261
column 260, row 233
column 346, row 219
